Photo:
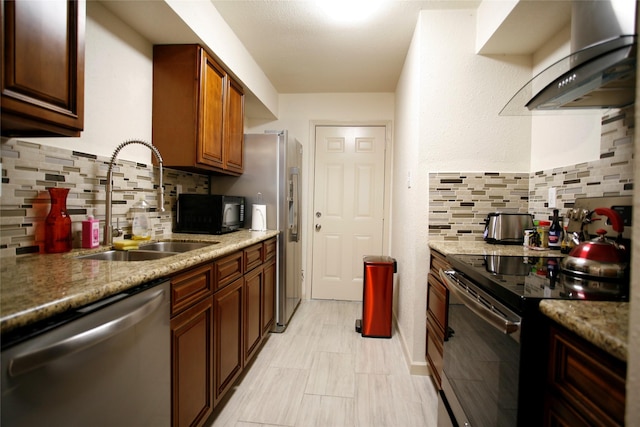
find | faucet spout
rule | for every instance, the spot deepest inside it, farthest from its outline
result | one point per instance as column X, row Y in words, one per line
column 109, row 233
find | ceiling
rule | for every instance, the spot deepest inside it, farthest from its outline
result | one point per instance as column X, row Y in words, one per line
column 302, row 50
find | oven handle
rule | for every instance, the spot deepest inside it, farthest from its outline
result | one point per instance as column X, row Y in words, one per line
column 504, row 325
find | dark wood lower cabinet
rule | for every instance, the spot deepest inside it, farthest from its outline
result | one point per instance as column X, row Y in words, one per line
column 192, row 377
column 227, row 336
column 436, row 319
column 269, row 296
column 253, row 283
column 221, row 314
column 585, row 385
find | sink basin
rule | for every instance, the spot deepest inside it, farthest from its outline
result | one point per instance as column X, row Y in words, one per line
column 175, row 246
column 149, row 251
column 132, row 255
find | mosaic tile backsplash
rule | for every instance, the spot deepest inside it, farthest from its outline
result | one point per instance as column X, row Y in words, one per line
column 459, row 202
column 610, row 175
column 28, row 169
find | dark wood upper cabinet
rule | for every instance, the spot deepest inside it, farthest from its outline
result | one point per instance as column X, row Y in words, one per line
column 42, row 67
column 198, row 111
column 234, row 128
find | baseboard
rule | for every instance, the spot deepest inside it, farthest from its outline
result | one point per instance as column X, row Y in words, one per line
column 415, row 368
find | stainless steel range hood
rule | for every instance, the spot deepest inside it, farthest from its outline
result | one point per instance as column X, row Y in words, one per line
column 599, row 73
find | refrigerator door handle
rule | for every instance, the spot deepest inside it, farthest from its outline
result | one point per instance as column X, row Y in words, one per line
column 294, row 202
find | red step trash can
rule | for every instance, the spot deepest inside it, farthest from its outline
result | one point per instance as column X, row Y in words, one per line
column 377, row 297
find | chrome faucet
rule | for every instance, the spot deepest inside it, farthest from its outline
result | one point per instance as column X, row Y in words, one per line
column 109, row 232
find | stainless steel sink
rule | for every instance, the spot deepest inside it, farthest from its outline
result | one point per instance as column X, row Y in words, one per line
column 149, row 251
column 132, row 255
column 175, row 246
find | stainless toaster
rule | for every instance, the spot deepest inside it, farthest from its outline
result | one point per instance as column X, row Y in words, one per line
column 507, row 228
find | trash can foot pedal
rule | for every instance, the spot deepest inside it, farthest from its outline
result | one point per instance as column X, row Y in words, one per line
column 359, row 326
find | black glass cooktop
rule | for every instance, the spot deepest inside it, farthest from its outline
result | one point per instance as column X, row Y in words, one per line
column 516, row 279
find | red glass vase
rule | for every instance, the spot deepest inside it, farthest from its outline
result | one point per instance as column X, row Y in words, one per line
column 57, row 226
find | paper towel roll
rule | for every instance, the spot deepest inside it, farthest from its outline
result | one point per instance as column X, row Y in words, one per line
column 259, row 217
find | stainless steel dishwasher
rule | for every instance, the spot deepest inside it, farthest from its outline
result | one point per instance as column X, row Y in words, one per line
column 106, row 364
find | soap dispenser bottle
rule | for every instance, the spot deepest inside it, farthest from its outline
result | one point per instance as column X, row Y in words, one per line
column 140, row 229
column 90, row 232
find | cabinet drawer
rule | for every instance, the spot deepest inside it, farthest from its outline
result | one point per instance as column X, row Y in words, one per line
column 435, row 353
column 189, row 287
column 590, row 380
column 228, row 269
column 253, row 257
column 437, row 300
column 438, row 262
column 270, row 247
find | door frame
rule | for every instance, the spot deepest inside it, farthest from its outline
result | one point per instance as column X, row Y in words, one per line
column 311, row 176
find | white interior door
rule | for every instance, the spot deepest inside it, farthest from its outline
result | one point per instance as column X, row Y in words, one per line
column 348, row 207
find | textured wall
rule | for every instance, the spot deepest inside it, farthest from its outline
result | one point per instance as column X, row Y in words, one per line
column 447, row 104
column 28, row 169
column 609, row 175
column 460, row 202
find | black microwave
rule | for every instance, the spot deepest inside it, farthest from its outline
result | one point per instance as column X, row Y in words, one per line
column 209, row 213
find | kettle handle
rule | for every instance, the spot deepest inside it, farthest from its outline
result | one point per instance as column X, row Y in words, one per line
column 616, row 221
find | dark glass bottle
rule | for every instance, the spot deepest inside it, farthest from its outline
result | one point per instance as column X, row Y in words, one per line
column 555, row 231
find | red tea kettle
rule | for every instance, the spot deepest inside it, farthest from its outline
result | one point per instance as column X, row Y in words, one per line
column 600, row 258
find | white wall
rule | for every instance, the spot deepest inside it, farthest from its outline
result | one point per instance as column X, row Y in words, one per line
column 562, row 139
column 462, row 96
column 410, row 207
column 633, row 357
column 298, row 112
column 447, row 105
column 206, row 22
column 491, row 15
column 118, row 89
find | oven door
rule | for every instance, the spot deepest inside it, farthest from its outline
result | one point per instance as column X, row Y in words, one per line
column 481, row 357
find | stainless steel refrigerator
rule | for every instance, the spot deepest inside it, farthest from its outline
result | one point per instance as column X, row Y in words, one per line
column 272, row 167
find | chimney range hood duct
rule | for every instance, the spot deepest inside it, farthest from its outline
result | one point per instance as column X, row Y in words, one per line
column 599, row 73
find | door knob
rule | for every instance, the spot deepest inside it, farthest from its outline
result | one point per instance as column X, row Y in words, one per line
column 318, row 227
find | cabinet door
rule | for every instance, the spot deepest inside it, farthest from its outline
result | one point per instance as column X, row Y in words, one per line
column 211, row 131
column 192, row 364
column 437, row 301
column 583, row 382
column 253, row 283
column 43, row 68
column 435, row 353
column 234, row 121
column 269, row 296
column 227, row 336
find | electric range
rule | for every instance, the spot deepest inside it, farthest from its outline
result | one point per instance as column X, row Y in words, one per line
column 496, row 344
column 520, row 280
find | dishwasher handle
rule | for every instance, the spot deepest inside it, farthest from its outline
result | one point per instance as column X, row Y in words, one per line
column 23, row 363
column 488, row 313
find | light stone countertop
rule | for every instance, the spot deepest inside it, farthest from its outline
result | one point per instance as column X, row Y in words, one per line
column 36, row 287
column 483, row 248
column 604, row 324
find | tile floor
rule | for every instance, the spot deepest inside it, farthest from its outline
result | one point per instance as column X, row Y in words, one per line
column 320, row 372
